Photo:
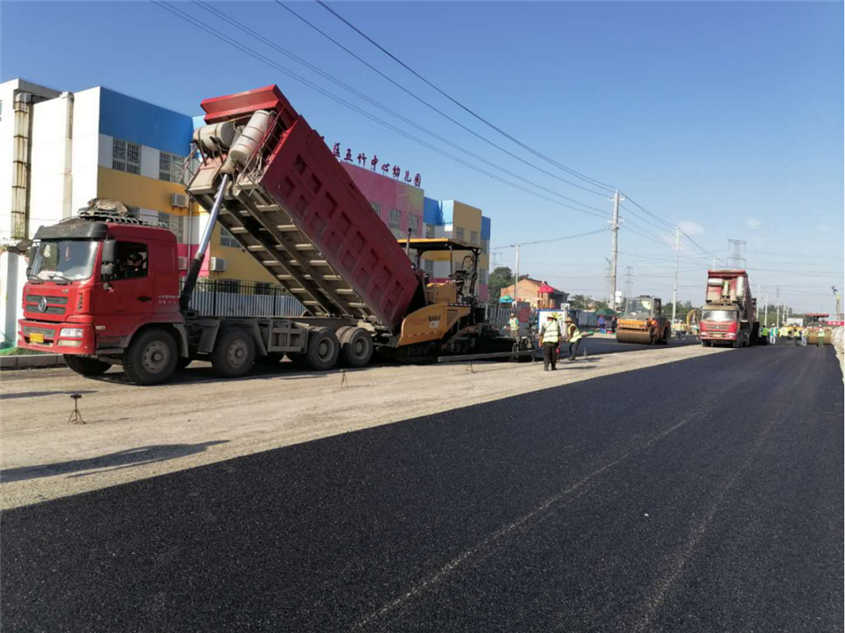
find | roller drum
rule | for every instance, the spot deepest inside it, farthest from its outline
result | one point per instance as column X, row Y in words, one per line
column 633, row 336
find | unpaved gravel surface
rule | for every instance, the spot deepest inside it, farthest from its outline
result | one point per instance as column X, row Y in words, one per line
column 139, row 432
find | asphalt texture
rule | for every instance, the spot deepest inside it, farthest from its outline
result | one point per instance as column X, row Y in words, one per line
column 703, row 495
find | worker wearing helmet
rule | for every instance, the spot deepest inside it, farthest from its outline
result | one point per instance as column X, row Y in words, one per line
column 574, row 336
column 513, row 324
column 550, row 337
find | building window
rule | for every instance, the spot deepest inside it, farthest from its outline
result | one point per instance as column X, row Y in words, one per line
column 473, row 237
column 395, row 217
column 174, row 223
column 263, row 288
column 429, row 230
column 126, row 156
column 376, row 207
column 459, row 233
column 414, row 224
column 227, row 239
column 170, row 167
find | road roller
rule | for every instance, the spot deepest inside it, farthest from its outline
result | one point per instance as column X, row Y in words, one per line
column 643, row 322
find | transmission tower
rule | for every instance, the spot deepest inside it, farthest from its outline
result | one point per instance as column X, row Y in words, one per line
column 736, row 259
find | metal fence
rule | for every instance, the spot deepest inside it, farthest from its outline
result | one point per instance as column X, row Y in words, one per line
column 222, row 298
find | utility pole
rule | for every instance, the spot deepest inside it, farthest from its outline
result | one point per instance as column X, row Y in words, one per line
column 766, row 310
column 516, row 277
column 677, row 265
column 614, row 228
column 777, row 298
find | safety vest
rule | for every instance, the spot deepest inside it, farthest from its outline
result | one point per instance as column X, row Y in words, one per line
column 514, row 324
column 550, row 332
column 573, row 333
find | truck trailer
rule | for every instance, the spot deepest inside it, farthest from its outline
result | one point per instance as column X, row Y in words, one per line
column 104, row 288
column 728, row 314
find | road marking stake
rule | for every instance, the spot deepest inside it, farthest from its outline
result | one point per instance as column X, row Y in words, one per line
column 75, row 416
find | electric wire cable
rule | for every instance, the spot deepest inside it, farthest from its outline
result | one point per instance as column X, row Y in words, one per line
column 549, row 241
column 431, row 106
column 552, row 161
column 340, row 100
column 249, row 31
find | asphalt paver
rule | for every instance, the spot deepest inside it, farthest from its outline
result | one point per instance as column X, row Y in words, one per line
column 701, row 495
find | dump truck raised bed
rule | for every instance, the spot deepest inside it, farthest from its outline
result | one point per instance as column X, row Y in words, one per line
column 643, row 322
column 728, row 314
column 104, row 288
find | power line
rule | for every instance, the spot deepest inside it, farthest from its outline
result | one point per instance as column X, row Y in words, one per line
column 462, row 106
column 549, row 241
column 429, row 105
column 340, row 100
column 239, row 25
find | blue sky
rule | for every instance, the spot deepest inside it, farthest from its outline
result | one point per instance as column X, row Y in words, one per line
column 724, row 117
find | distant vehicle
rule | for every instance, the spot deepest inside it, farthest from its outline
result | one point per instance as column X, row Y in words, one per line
column 643, row 322
column 727, row 317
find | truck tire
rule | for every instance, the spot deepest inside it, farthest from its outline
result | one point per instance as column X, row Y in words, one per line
column 234, row 353
column 151, row 357
column 323, row 349
column 86, row 366
column 357, row 345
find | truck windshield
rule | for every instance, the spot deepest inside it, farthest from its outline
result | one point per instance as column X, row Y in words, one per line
column 639, row 307
column 67, row 260
column 718, row 315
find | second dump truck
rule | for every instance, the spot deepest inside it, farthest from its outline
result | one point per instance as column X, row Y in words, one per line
column 104, row 288
column 728, row 315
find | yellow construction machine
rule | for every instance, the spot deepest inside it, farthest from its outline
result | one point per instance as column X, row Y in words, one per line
column 643, row 322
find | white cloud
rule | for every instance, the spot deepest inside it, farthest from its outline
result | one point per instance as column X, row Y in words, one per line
column 691, row 228
column 753, row 223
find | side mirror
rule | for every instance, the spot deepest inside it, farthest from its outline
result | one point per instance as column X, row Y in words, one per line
column 107, row 260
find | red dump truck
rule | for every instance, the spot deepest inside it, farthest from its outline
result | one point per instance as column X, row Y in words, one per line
column 728, row 315
column 104, row 288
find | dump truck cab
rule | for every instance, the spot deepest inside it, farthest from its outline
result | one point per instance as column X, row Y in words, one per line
column 94, row 281
column 643, row 322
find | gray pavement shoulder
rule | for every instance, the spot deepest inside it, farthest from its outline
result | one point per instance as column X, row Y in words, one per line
column 31, row 361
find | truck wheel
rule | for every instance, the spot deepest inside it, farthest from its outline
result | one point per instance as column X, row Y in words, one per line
column 151, row 358
column 234, row 353
column 86, row 366
column 357, row 346
column 323, row 349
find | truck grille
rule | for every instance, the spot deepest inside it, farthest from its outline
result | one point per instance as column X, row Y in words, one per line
column 46, row 304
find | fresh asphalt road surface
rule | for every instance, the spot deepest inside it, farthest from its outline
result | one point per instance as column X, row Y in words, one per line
column 601, row 345
column 702, row 495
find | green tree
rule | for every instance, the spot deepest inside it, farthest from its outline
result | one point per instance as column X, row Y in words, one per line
column 499, row 278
